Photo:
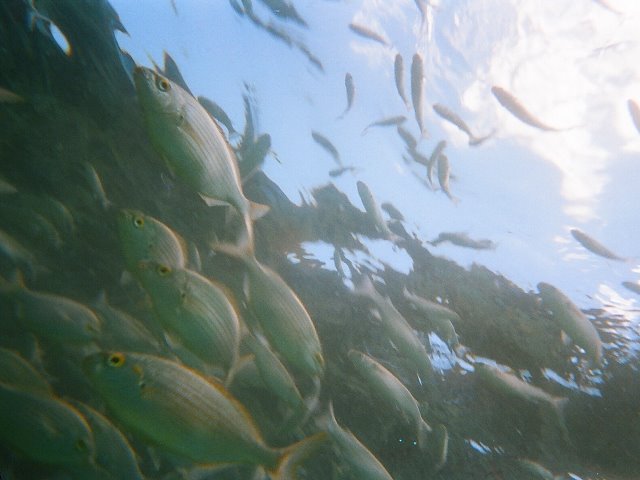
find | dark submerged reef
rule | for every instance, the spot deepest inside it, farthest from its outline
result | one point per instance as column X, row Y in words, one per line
column 78, row 137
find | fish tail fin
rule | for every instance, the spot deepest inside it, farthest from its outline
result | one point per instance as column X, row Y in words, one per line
column 475, row 141
column 240, row 251
column 423, row 434
column 295, row 454
column 301, row 415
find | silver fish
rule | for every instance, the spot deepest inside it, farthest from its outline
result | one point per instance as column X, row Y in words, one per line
column 398, row 330
column 386, row 122
column 408, row 139
column 417, row 90
column 368, row 33
column 351, row 93
column 443, row 176
column 327, row 145
column 594, row 246
column 17, row 373
column 398, row 70
column 511, row 103
column 509, row 384
column 363, row 464
column 390, row 390
column 372, row 209
column 455, row 119
column 433, row 158
column 392, row 211
column 461, row 239
column 187, row 414
column 285, row 10
column 440, row 316
column 193, row 145
column 572, row 321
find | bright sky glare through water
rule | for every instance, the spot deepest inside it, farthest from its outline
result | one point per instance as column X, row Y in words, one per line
column 571, row 63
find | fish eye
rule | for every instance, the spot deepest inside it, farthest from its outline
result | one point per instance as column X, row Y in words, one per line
column 116, row 359
column 163, row 84
column 81, row 446
column 163, row 270
column 138, row 222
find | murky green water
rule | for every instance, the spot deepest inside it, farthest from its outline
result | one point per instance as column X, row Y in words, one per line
column 444, row 285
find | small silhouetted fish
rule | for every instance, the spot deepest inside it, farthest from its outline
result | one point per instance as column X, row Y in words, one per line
column 633, row 286
column 463, row 240
column 285, row 11
column 236, row 7
column 417, row 86
column 431, row 164
column 443, row 176
column 327, row 145
column 594, row 246
column 634, row 111
column 174, row 7
column 336, row 172
column 7, row 96
column 392, row 211
column 386, row 122
column 218, row 113
column 172, row 72
column 351, row 93
column 511, row 103
column 454, row 118
column 398, row 68
column 408, row 139
column 367, row 33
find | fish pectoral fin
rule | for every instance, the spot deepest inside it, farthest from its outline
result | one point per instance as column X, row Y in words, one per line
column 213, row 202
column 258, row 210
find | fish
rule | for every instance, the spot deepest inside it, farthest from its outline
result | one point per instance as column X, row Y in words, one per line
column 417, row 88
column 408, row 139
column 121, row 330
column 510, row 385
column 374, row 213
column 632, row 286
column 43, row 428
column 17, row 373
column 188, row 415
column 398, row 70
column 534, row 470
column 392, row 211
column 351, row 92
column 253, row 155
column 38, row 230
column 336, row 172
column 433, row 158
column 95, row 185
column 572, row 321
column 327, row 145
column 363, row 465
column 7, row 96
column 634, row 111
column 443, row 177
column 277, row 379
column 282, row 316
column 142, row 237
column 386, row 122
column 398, row 330
column 194, row 310
column 193, row 145
column 113, row 453
column 594, row 246
column 461, row 239
column 440, row 448
column 285, row 11
column 440, row 316
column 392, row 392
column 18, row 255
column 366, row 32
column 49, row 316
column 218, row 114
column 511, row 103
column 50, row 208
column 455, row 119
